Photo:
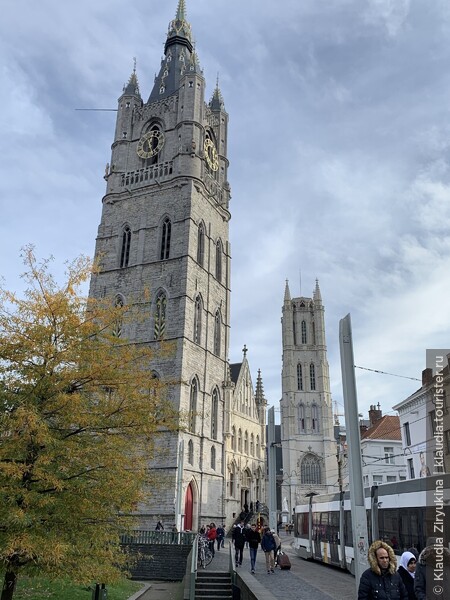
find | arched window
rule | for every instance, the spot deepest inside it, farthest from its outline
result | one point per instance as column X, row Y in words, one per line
column 118, row 321
column 198, row 320
column 125, row 248
column 193, row 404
column 252, row 445
column 258, row 447
column 239, row 441
column 190, row 452
column 299, row 377
column 301, row 418
column 294, row 326
column 232, row 482
column 160, row 316
column 246, row 442
column 304, row 338
column 315, row 418
column 166, row 232
column 313, row 326
column 217, row 333
column 312, row 376
column 201, row 244
column 233, row 438
column 310, row 470
column 213, row 458
column 214, row 414
column 219, row 261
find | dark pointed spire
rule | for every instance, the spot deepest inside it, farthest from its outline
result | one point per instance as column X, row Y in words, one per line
column 179, row 29
column 216, row 102
column 317, row 295
column 132, row 87
column 259, row 392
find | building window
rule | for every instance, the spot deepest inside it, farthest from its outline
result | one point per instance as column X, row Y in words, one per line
column 165, row 239
column 217, row 332
column 190, row 452
column 193, row 404
column 407, row 434
column 231, row 483
column 252, row 445
column 299, row 377
column 233, row 438
column 239, row 444
column 411, row 468
column 301, row 418
column 246, row 442
column 214, row 414
column 391, row 478
column 304, row 337
column 313, row 327
column 201, row 244
column 312, row 376
column 389, row 455
column 160, row 316
column 377, row 479
column 315, row 418
column 125, row 249
column 258, row 447
column 219, row 261
column 310, row 471
column 213, row 458
column 198, row 320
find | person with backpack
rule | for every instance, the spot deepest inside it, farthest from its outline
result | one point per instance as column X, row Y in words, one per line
column 239, row 543
column 268, row 545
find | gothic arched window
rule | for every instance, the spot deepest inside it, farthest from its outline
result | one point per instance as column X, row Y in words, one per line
column 198, row 320
column 246, row 442
column 315, row 418
column 190, row 452
column 310, row 470
column 252, row 445
column 299, row 377
column 217, row 333
column 233, row 438
column 239, row 444
column 301, row 418
column 313, row 327
column 201, row 244
column 193, row 404
column 214, row 414
column 213, row 458
column 160, row 316
column 118, row 322
column 232, row 481
column 258, row 447
column 219, row 261
column 304, row 337
column 125, row 248
column 166, row 232
column 312, row 376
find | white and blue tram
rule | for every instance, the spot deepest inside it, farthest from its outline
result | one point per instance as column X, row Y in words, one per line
column 402, row 514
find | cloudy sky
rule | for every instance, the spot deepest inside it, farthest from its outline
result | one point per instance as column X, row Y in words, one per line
column 339, row 148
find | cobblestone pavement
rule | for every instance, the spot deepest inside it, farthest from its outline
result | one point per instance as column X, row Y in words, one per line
column 305, row 581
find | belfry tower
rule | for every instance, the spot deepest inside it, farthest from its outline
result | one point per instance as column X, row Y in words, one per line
column 164, row 228
column 308, row 445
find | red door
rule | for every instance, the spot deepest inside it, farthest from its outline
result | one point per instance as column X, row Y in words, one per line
column 188, row 507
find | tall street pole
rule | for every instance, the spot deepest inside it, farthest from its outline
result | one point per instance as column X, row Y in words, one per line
column 358, row 509
column 271, row 451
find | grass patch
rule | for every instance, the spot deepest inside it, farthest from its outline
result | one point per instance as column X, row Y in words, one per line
column 39, row 588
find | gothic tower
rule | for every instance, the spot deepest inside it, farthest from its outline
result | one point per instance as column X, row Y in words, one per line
column 308, row 445
column 164, row 228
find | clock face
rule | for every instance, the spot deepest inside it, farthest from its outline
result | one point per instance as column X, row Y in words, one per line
column 211, row 156
column 150, row 144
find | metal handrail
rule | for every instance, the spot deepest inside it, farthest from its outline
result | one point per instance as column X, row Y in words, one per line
column 194, row 559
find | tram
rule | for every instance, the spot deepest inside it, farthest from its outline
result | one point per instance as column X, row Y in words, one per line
column 403, row 514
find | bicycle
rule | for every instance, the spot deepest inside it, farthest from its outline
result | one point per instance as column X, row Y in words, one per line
column 205, row 555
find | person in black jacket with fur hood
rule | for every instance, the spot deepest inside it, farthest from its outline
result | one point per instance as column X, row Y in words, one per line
column 381, row 581
column 432, row 580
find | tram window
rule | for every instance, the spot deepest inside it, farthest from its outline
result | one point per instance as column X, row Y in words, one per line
column 305, row 524
column 409, row 528
column 389, row 527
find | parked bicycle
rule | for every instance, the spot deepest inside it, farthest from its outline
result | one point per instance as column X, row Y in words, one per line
column 205, row 555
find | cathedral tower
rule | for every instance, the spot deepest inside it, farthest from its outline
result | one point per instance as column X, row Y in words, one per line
column 308, row 445
column 164, row 228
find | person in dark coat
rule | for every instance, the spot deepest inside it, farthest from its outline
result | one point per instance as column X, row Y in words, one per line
column 406, row 571
column 253, row 539
column 269, row 546
column 238, row 538
column 381, row 581
column 432, row 579
column 220, row 535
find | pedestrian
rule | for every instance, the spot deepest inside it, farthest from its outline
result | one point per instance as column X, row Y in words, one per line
column 268, row 545
column 239, row 542
column 253, row 539
column 223, row 539
column 251, row 507
column 159, row 526
column 246, row 508
column 257, row 506
column 278, row 546
column 381, row 581
column 220, row 534
column 406, row 571
column 211, row 536
column 432, row 577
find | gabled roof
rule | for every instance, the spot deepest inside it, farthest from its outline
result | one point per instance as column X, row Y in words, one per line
column 235, row 369
column 386, row 428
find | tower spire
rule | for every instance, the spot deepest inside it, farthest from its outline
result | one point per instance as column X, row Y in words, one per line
column 132, row 87
column 179, row 29
column 216, row 102
column 317, row 295
column 259, row 392
column 287, row 292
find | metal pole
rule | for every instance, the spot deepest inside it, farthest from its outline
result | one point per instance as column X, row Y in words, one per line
column 374, row 513
column 178, row 513
column 358, row 509
column 272, row 468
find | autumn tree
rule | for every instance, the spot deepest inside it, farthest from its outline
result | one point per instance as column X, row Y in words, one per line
column 79, row 419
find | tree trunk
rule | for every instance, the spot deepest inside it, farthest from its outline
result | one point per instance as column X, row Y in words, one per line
column 9, row 585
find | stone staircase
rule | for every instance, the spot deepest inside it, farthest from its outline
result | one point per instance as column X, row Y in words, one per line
column 213, row 585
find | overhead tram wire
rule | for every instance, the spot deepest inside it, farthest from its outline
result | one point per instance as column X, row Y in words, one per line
column 384, row 373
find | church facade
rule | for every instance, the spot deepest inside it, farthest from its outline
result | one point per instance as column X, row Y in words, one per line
column 307, row 433
column 163, row 247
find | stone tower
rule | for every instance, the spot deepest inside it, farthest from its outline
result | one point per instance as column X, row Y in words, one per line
column 309, row 448
column 164, row 228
